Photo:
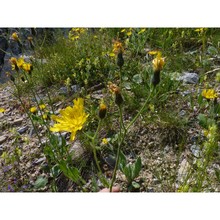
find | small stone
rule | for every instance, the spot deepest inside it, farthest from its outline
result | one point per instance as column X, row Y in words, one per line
column 40, row 160
column 17, row 121
column 189, row 78
column 182, row 113
column 183, row 170
column 195, row 150
column 75, row 88
column 22, row 129
column 63, row 91
column 3, row 139
column 76, row 150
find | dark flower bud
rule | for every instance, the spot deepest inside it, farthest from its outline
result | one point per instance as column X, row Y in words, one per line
column 156, row 78
column 120, row 59
column 102, row 111
column 118, row 97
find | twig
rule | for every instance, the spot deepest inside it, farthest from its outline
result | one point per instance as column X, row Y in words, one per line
column 212, row 71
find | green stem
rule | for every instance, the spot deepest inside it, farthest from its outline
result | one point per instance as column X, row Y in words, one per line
column 27, row 113
column 139, row 113
column 105, row 183
column 122, row 136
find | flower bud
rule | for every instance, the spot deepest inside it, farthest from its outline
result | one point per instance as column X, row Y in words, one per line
column 102, row 110
column 156, row 78
column 120, row 59
column 118, row 97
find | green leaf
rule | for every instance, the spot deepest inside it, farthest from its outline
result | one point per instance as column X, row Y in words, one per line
column 203, row 120
column 40, row 182
column 135, row 185
column 122, row 160
column 137, row 78
column 55, row 171
column 72, row 173
column 137, row 168
column 128, row 173
column 127, row 85
column 212, row 50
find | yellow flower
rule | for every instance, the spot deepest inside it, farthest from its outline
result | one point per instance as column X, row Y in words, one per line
column 129, row 33
column 209, row 93
column 13, row 60
column 42, row 106
column 2, row 110
column 15, row 36
column 158, row 62
column 16, row 63
column 153, row 52
column 104, row 141
column 20, row 62
column 27, row 67
column 45, row 116
column 71, row 119
column 75, row 33
column 200, row 30
column 33, row 109
column 118, row 47
column 142, row 31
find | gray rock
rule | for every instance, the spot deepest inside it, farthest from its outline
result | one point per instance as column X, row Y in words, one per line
column 3, row 48
column 75, row 88
column 3, row 139
column 63, row 91
column 182, row 113
column 22, row 129
column 183, row 170
column 76, row 150
column 189, row 78
column 195, row 150
column 15, row 47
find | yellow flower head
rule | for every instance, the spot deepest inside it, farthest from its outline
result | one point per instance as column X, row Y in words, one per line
column 142, row 31
column 153, row 52
column 200, row 30
column 28, row 67
column 104, row 141
column 118, row 47
column 45, row 116
column 33, row 109
column 2, row 110
column 75, row 33
column 14, row 64
column 71, row 119
column 15, row 36
column 13, row 61
column 158, row 62
column 209, row 93
column 42, row 106
column 20, row 62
